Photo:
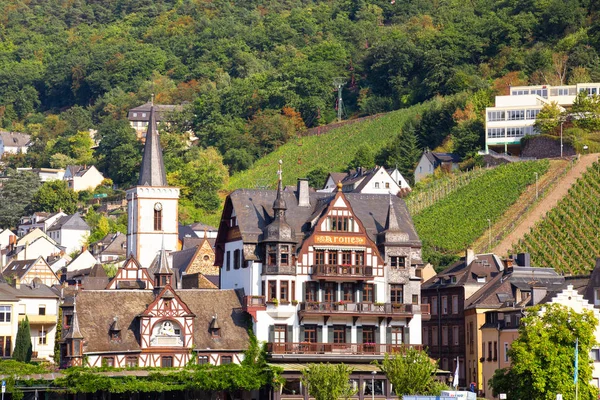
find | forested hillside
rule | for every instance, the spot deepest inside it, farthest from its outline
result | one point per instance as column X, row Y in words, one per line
column 255, row 73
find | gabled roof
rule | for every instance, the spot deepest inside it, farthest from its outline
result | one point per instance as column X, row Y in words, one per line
column 160, row 109
column 488, row 265
column 71, row 222
column 116, row 246
column 438, row 158
column 19, row 268
column 15, row 139
column 95, row 321
column 254, row 210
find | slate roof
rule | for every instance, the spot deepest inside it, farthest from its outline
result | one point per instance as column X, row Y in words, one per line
column 438, row 158
column 160, row 109
column 181, row 260
column 71, row 222
column 337, row 176
column 14, row 139
column 254, row 210
column 115, row 247
column 579, row 283
column 97, row 309
column 18, row 268
column 78, row 170
column 488, row 265
column 8, row 292
column 152, row 171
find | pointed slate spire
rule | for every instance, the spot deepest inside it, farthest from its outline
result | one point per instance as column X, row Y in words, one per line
column 279, row 205
column 162, row 273
column 152, row 171
column 74, row 332
column 391, row 225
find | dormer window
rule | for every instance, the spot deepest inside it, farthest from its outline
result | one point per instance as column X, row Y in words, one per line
column 214, row 328
column 481, row 279
column 453, row 279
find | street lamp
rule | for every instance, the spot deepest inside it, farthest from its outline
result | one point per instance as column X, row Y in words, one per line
column 561, row 142
column 373, row 373
column 536, row 185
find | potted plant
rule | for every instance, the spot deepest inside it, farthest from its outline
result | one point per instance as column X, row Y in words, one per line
column 294, row 302
column 274, row 301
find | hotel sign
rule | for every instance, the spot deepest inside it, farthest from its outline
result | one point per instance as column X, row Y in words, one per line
column 348, row 240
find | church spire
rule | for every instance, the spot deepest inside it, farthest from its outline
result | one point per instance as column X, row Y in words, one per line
column 152, row 172
column 279, row 205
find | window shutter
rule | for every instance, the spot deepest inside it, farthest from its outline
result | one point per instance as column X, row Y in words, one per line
column 361, row 288
column 271, row 333
column 388, row 335
column 377, row 338
column 290, row 334
column 301, row 338
column 348, row 334
column 406, row 335
column 359, row 334
column 329, row 333
column 319, row 334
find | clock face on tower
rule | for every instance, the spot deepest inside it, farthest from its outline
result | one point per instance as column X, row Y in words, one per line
column 158, row 206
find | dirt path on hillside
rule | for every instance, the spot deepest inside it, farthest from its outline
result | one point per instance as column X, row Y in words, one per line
column 546, row 204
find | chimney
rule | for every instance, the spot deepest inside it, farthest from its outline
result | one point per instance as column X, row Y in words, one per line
column 469, row 256
column 508, row 264
column 537, row 294
column 303, row 196
column 524, row 259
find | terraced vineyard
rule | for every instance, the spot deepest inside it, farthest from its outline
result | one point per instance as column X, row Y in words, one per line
column 457, row 220
column 568, row 237
column 425, row 196
column 333, row 150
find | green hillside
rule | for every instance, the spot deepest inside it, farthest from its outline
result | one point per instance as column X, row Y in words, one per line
column 454, row 222
column 567, row 239
column 332, row 151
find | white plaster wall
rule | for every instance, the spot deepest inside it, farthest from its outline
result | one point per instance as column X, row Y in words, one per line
column 73, row 239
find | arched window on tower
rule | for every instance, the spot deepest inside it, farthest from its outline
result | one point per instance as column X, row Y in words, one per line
column 158, row 217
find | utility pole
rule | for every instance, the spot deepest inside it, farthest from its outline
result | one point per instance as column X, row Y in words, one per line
column 339, row 83
column 536, row 185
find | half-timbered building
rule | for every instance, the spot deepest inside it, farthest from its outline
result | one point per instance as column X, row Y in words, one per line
column 327, row 276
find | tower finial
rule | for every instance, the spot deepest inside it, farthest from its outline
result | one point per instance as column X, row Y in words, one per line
column 152, row 99
column 339, row 186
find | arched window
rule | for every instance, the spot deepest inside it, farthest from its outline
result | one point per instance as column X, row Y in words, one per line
column 158, row 217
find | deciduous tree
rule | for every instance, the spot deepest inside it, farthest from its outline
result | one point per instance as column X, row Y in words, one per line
column 53, row 196
column 411, row 373
column 543, row 356
column 15, row 196
column 328, row 381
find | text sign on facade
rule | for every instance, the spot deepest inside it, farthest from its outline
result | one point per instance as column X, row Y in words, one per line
column 330, row 239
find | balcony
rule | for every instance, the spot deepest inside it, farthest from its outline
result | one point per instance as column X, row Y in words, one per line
column 252, row 304
column 370, row 309
column 336, row 349
column 331, row 272
column 279, row 270
column 39, row 319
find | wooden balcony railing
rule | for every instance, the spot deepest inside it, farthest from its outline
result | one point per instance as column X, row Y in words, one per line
column 381, row 309
column 338, row 348
column 342, row 272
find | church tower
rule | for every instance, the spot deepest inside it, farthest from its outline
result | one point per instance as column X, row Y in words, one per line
column 152, row 206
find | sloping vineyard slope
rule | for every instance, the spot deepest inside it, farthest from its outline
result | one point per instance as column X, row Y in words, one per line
column 567, row 238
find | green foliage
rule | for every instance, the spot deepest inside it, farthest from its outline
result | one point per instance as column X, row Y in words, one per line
column 328, row 381
column 536, row 372
column 548, row 119
column 363, row 158
column 53, row 196
column 23, row 346
column 58, row 336
column 332, row 151
column 411, row 373
column 317, row 177
column 457, row 220
column 587, row 111
column 567, row 236
column 402, row 152
column 15, row 196
column 119, row 153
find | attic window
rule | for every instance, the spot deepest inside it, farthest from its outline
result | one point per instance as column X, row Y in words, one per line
column 215, row 328
column 453, row 279
column 481, row 279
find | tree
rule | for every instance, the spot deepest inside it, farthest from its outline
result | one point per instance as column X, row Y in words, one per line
column 316, row 177
column 402, row 152
column 53, row 196
column 548, row 118
column 411, row 373
column 364, row 157
column 543, row 355
column 587, row 111
column 23, row 347
column 15, row 196
column 119, row 153
column 328, row 381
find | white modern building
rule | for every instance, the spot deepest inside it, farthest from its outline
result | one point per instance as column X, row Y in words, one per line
column 513, row 115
